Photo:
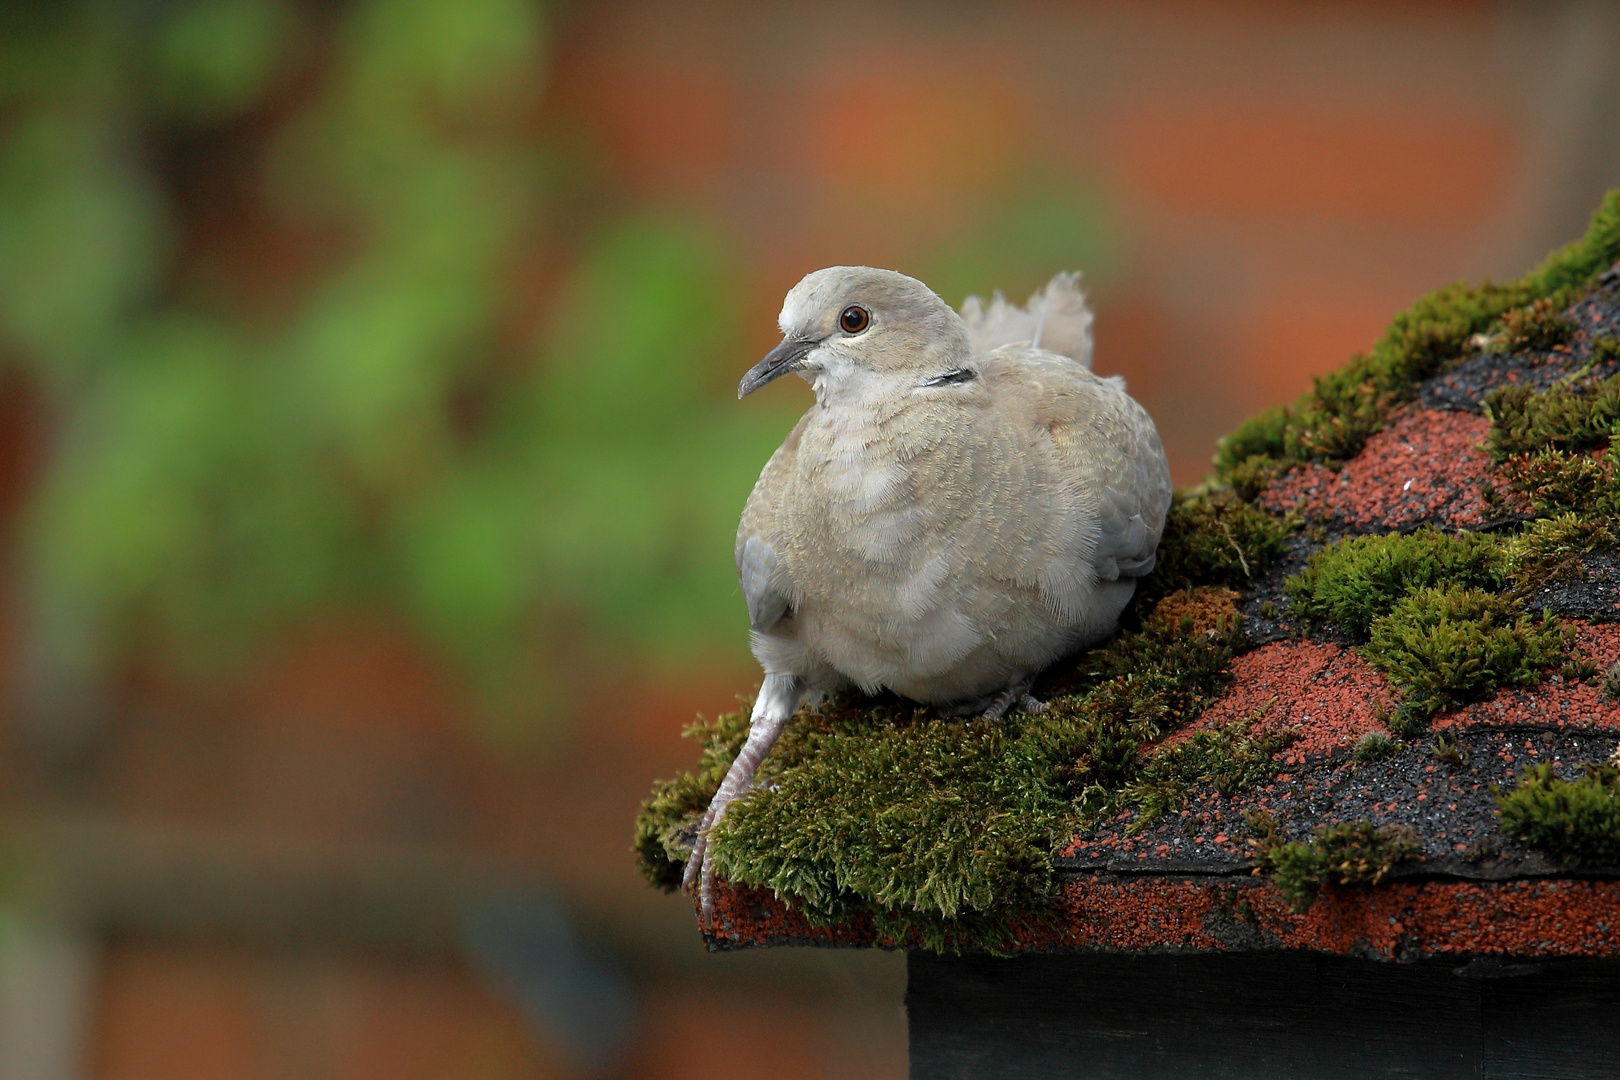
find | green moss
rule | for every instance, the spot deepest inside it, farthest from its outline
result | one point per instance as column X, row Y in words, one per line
column 1577, row 416
column 1331, row 423
column 1347, row 406
column 1538, row 325
column 1252, row 476
column 1576, row 820
column 1214, row 539
column 1374, row 747
column 945, row 827
column 1605, row 351
column 1263, row 435
column 1229, row 758
column 1443, row 647
column 1359, row 580
column 1350, row 853
column 1557, row 482
column 940, row 828
column 1552, row 549
column 1450, row 752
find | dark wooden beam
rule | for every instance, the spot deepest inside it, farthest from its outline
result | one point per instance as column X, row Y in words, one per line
column 1296, row 1015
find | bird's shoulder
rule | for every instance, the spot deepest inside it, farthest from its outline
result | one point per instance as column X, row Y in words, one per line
column 1057, row 393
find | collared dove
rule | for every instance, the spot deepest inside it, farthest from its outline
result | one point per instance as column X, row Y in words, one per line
column 964, row 504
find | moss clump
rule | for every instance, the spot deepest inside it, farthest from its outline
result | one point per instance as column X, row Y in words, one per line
column 1250, row 477
column 1605, row 351
column 1215, row 539
column 942, row 831
column 1229, row 758
column 1450, row 752
column 1576, row 820
column 1263, row 436
column 1538, row 325
column 1359, row 580
column 1331, row 423
column 1447, row 646
column 1350, row 853
column 940, row 827
column 1195, row 611
column 1552, row 549
column 1579, row 262
column 1578, row 416
column 1556, row 482
column 1346, row 407
column 1374, row 747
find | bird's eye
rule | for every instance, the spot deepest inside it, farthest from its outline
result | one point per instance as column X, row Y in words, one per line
column 854, row 319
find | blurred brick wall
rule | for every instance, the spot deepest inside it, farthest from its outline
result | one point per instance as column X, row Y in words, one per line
column 1278, row 179
column 172, row 1013
column 1275, row 181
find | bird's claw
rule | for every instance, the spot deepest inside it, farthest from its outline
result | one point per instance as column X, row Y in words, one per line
column 699, row 875
column 699, row 871
column 702, row 869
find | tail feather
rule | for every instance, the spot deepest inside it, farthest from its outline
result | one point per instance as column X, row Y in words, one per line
column 1057, row 319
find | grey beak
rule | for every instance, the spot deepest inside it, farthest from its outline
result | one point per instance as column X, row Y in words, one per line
column 778, row 362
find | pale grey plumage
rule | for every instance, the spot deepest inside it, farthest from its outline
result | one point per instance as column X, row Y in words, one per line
column 957, row 511
column 1056, row 319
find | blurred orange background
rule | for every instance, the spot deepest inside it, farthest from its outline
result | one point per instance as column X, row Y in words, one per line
column 385, row 831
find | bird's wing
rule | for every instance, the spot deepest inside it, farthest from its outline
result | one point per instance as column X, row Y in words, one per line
column 1057, row 319
column 767, row 587
column 1106, row 483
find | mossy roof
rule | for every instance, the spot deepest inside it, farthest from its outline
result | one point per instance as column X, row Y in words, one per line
column 1376, row 823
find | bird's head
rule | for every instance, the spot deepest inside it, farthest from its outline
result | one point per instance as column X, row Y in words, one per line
column 854, row 330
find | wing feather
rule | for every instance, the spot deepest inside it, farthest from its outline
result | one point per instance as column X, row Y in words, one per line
column 1104, row 483
column 766, row 584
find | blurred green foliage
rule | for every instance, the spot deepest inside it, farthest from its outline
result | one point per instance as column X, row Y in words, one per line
column 270, row 268
column 388, row 430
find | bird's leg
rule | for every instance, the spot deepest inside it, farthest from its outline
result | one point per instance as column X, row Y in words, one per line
column 1016, row 694
column 778, row 697
column 995, row 706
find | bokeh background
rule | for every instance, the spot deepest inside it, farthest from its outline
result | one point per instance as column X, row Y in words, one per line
column 369, row 456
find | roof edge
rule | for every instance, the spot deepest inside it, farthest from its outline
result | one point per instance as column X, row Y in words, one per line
column 1397, row 921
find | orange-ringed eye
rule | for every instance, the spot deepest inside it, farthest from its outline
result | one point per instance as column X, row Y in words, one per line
column 854, row 319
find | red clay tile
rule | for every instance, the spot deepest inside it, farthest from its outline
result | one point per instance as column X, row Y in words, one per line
column 1326, row 693
column 1425, row 466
